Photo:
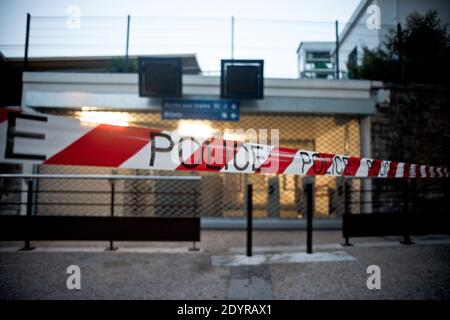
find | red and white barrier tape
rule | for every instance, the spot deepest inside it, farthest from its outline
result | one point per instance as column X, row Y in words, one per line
column 47, row 139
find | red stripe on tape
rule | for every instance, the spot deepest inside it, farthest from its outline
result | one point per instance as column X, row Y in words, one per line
column 406, row 168
column 427, row 171
column 105, row 146
column 212, row 156
column 417, row 169
column 374, row 169
column 277, row 162
column 322, row 162
column 352, row 166
column 392, row 169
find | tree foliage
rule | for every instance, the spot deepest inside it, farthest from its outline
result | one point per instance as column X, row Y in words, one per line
column 121, row 65
column 419, row 53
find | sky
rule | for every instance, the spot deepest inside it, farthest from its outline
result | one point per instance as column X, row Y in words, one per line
column 271, row 30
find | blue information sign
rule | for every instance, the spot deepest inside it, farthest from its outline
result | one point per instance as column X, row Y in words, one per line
column 219, row 110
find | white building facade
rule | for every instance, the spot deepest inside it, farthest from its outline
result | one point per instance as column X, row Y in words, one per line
column 361, row 31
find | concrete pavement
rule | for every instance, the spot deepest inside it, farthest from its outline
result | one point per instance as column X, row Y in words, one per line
column 170, row 271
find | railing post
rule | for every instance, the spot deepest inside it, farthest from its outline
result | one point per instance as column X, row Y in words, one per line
column 194, row 248
column 111, row 209
column 406, row 199
column 309, row 217
column 347, row 207
column 29, row 209
column 414, row 194
column 336, row 25
column 27, row 42
column 249, row 219
column 346, row 198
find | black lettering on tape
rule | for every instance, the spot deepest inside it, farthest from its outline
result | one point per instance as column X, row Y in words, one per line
column 235, row 161
column 315, row 157
column 154, row 148
column 341, row 160
column 180, row 152
column 206, row 149
column 225, row 149
column 384, row 168
column 331, row 169
column 304, row 161
column 345, row 159
column 12, row 133
column 255, row 155
column 369, row 164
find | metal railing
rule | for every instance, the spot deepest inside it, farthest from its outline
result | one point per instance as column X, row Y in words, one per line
column 188, row 206
column 33, row 199
column 396, row 208
column 396, row 196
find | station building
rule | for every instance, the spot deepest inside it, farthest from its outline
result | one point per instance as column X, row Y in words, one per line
column 331, row 116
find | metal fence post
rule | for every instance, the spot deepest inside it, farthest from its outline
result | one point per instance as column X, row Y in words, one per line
column 347, row 207
column 249, row 219
column 346, row 197
column 194, row 248
column 415, row 195
column 111, row 209
column 127, row 44
column 309, row 217
column 406, row 200
column 232, row 38
column 29, row 208
column 27, row 42
column 336, row 25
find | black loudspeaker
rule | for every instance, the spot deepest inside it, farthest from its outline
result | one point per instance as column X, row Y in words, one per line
column 160, row 77
column 242, row 79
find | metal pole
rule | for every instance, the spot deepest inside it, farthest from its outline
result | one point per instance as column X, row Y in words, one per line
column 27, row 41
column 346, row 206
column 127, row 44
column 112, row 198
column 415, row 209
column 337, row 49
column 415, row 196
column 29, row 208
column 406, row 199
column 232, row 38
column 309, row 217
column 194, row 248
column 346, row 197
column 249, row 219
column 112, row 182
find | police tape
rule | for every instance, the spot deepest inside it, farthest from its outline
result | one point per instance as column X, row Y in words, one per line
column 55, row 140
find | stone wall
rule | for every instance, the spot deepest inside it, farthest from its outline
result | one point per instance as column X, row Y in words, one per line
column 414, row 128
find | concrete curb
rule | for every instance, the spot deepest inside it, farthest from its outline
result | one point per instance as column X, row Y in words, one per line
column 268, row 224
